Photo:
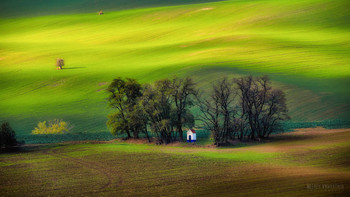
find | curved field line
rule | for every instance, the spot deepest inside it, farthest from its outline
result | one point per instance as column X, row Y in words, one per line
column 89, row 165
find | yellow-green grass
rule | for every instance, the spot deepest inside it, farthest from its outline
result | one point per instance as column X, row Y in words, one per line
column 287, row 166
column 26, row 8
column 302, row 45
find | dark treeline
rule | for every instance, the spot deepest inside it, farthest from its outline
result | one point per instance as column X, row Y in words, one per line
column 243, row 108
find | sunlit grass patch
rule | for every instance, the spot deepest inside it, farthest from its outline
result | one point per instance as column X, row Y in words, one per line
column 245, row 156
column 331, row 145
column 4, row 164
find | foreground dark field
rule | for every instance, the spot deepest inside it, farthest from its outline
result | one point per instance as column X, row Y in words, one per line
column 312, row 162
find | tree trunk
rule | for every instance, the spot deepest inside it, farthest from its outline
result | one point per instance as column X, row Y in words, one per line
column 181, row 134
column 179, row 127
column 146, row 132
column 252, row 134
column 136, row 135
column 241, row 137
column 129, row 136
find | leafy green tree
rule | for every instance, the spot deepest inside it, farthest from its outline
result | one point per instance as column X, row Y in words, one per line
column 156, row 102
column 7, row 136
column 123, row 97
column 138, row 121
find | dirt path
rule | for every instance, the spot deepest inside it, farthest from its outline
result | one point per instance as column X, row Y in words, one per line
column 100, row 169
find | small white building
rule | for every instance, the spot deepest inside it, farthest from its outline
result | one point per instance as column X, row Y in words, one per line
column 191, row 135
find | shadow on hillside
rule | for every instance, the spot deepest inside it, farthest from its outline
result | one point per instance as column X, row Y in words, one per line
column 276, row 138
column 283, row 138
column 27, row 148
column 19, row 149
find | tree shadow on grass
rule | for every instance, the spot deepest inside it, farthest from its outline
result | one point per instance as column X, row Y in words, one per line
column 26, row 148
column 73, row 68
column 274, row 138
column 291, row 138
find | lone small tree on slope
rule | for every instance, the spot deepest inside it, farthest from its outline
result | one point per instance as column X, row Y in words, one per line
column 59, row 63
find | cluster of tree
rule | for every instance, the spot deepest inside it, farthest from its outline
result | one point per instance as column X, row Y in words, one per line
column 243, row 108
column 7, row 136
column 162, row 106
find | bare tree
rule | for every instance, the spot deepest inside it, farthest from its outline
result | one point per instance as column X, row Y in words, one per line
column 276, row 111
column 261, row 106
column 218, row 110
column 226, row 93
column 183, row 92
column 210, row 115
column 240, row 127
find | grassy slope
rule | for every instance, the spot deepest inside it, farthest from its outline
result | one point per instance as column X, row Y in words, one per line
column 25, row 8
column 303, row 46
column 285, row 167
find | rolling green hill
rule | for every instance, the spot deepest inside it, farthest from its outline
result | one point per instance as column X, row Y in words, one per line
column 27, row 8
column 304, row 46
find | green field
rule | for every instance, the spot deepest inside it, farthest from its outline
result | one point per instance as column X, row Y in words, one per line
column 309, row 162
column 304, row 46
